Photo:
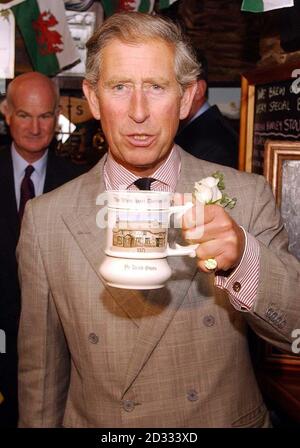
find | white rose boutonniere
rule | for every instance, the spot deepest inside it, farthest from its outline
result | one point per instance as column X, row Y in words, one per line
column 210, row 190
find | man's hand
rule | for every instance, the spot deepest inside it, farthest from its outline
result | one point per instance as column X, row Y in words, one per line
column 219, row 237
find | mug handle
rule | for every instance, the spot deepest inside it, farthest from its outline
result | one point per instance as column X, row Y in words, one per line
column 181, row 250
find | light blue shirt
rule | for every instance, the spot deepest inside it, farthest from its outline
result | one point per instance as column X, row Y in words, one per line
column 38, row 176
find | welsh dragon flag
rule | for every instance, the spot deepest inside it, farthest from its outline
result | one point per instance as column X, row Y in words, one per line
column 44, row 28
column 265, row 5
column 112, row 6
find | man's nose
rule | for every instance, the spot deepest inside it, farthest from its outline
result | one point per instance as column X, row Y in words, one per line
column 139, row 107
column 35, row 126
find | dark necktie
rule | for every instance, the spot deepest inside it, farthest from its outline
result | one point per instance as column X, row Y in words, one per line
column 27, row 190
column 144, row 183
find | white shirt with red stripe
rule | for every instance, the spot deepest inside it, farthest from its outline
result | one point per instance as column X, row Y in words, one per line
column 116, row 177
column 242, row 283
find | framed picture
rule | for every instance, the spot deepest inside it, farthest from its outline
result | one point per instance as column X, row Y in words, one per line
column 270, row 101
column 282, row 170
column 278, row 372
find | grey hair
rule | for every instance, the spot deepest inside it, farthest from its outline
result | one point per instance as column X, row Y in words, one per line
column 135, row 28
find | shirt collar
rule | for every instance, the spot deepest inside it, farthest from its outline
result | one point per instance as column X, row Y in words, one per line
column 116, row 177
column 200, row 111
column 20, row 164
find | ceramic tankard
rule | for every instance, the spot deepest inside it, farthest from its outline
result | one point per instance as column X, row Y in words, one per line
column 137, row 239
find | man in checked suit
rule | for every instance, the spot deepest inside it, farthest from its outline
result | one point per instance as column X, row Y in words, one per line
column 31, row 110
column 98, row 356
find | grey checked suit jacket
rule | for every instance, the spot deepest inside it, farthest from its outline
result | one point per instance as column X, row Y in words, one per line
column 95, row 356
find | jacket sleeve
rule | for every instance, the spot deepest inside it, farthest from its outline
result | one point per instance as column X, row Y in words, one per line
column 276, row 311
column 44, row 361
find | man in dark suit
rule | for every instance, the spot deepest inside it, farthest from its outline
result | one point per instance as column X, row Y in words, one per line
column 205, row 133
column 31, row 111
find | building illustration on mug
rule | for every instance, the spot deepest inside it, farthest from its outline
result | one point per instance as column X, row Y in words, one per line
column 139, row 234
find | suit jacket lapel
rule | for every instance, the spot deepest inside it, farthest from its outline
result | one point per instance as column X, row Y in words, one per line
column 51, row 179
column 92, row 239
column 82, row 221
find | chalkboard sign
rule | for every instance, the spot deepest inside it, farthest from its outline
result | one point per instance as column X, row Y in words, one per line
column 270, row 110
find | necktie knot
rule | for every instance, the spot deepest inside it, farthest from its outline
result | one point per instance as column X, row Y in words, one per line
column 144, row 183
column 29, row 170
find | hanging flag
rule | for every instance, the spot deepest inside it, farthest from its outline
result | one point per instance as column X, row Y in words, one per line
column 265, row 5
column 7, row 46
column 112, row 6
column 44, row 28
column 8, row 4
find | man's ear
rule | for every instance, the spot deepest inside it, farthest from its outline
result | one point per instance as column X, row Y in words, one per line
column 187, row 99
column 4, row 109
column 92, row 99
column 201, row 90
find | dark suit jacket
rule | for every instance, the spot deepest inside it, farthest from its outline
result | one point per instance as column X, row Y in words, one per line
column 58, row 171
column 210, row 137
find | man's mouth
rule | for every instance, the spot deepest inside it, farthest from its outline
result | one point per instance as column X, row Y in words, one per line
column 141, row 140
column 140, row 137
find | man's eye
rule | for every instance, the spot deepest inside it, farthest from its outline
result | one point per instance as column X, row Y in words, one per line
column 119, row 87
column 157, row 88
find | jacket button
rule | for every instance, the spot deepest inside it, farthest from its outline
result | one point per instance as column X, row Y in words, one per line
column 93, row 338
column 209, row 320
column 236, row 286
column 128, row 405
column 192, row 395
